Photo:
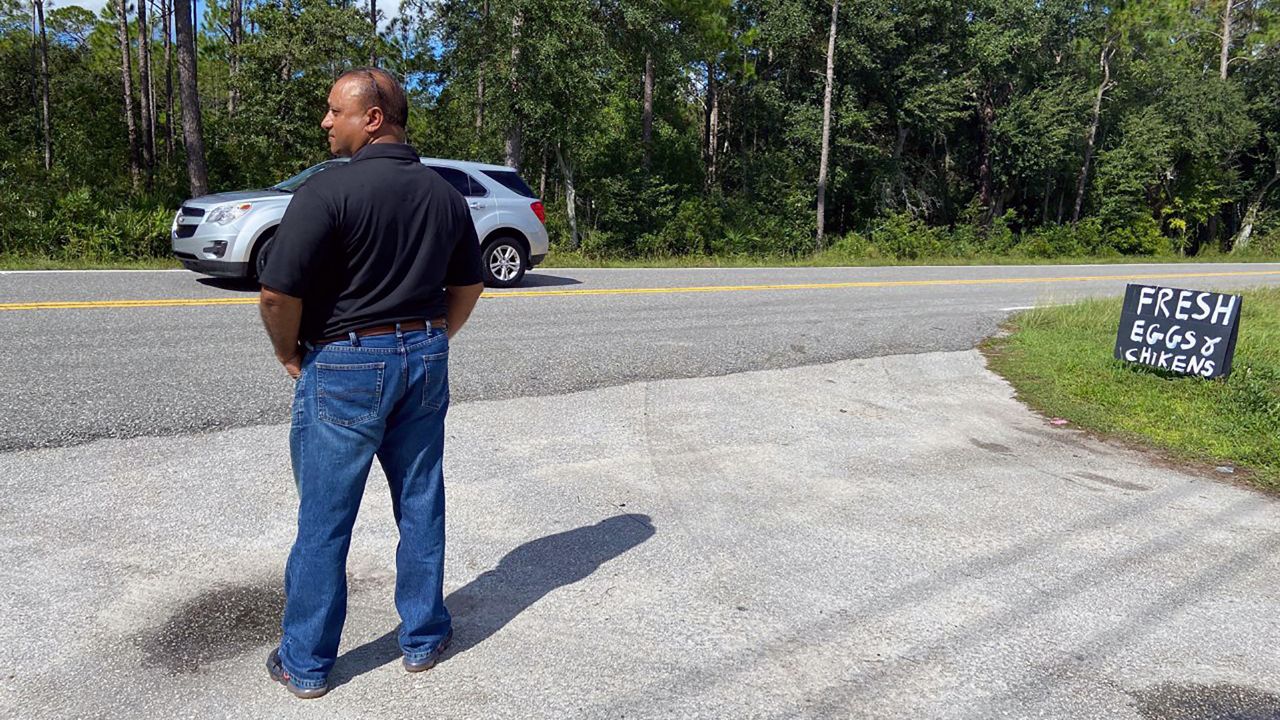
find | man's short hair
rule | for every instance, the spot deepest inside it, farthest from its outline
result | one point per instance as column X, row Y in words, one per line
column 381, row 89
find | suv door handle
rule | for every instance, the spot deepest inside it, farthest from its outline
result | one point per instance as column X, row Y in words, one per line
column 475, row 205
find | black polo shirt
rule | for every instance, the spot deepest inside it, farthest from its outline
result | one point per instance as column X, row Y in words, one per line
column 372, row 242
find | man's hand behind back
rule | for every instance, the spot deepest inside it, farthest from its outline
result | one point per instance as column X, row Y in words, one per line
column 460, row 300
column 281, row 315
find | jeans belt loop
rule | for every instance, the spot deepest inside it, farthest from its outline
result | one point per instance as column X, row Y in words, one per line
column 355, row 339
column 399, row 333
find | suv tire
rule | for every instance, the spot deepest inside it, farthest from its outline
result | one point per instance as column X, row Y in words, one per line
column 505, row 262
column 260, row 253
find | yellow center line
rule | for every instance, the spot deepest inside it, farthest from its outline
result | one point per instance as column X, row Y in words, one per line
column 195, row 302
column 81, row 305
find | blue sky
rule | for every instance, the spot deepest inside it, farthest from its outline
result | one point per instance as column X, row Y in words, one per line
column 387, row 9
column 97, row 5
column 94, row 5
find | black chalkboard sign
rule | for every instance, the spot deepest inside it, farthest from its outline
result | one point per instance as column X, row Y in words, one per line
column 1191, row 332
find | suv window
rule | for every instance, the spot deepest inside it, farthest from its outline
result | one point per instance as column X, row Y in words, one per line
column 512, row 181
column 297, row 181
column 461, row 181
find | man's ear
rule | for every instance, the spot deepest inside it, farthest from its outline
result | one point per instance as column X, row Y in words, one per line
column 373, row 119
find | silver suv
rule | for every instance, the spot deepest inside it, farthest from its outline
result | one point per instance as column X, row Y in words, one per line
column 229, row 234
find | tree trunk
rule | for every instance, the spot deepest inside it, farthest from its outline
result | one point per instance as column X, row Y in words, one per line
column 166, row 11
column 126, row 76
column 47, row 121
column 1002, row 199
column 646, row 120
column 898, row 186
column 1242, row 238
column 152, row 79
column 947, row 204
column 514, row 146
column 542, row 179
column 826, row 129
column 236, row 12
column 484, row 15
column 725, row 125
column 515, row 138
column 570, row 196
column 712, row 123
column 35, row 73
column 373, row 20
column 144, row 91
column 1104, row 59
column 899, row 144
column 1225, row 55
column 192, row 128
column 987, row 115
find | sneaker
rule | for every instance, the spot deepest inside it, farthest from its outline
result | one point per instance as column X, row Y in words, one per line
column 280, row 675
column 429, row 660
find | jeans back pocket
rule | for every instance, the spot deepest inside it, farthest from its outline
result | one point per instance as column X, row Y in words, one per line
column 349, row 394
column 435, row 383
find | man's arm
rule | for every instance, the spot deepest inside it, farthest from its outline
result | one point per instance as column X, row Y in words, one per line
column 282, row 316
column 460, row 300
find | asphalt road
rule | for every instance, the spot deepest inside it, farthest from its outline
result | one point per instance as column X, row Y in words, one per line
column 74, row 374
column 887, row 536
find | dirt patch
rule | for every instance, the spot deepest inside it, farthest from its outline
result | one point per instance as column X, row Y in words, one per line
column 991, row 447
column 1121, row 484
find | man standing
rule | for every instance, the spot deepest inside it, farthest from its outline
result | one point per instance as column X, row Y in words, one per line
column 375, row 266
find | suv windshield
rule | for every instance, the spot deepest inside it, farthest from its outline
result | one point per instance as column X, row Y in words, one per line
column 297, row 181
column 511, row 181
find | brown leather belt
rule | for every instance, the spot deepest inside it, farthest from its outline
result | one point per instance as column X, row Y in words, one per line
column 407, row 326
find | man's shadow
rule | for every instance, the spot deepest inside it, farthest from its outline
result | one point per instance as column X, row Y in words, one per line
column 485, row 605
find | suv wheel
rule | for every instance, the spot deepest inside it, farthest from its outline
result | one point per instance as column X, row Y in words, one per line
column 504, row 263
column 260, row 253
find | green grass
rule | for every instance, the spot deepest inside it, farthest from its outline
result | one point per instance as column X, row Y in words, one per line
column 559, row 258
column 1059, row 359
column 36, row 262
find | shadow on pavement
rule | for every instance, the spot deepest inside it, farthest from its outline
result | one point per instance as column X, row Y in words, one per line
column 534, row 280
column 485, row 605
column 232, row 284
column 250, row 285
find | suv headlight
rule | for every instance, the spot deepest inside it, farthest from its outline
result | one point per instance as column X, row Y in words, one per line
column 227, row 214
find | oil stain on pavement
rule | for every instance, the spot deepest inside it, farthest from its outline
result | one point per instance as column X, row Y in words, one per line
column 224, row 622
column 1193, row 701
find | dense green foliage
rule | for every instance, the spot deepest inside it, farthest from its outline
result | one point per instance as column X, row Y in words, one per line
column 959, row 127
column 1059, row 360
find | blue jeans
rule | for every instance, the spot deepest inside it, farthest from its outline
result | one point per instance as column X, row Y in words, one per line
column 384, row 395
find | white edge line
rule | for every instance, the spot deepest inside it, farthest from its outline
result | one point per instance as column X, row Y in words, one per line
column 552, row 270
column 65, row 272
column 1031, row 307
